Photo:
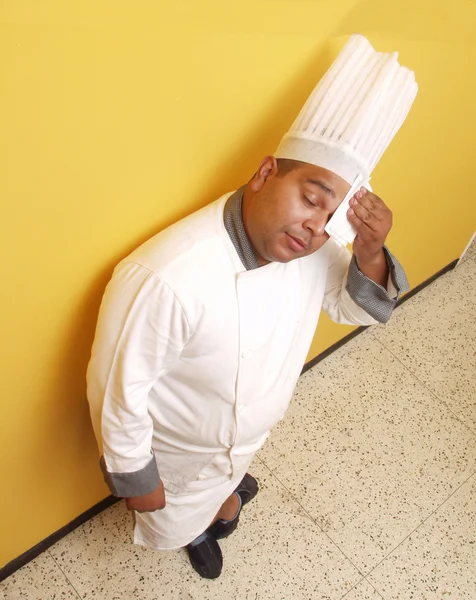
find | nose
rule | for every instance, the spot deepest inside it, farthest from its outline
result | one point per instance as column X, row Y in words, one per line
column 316, row 222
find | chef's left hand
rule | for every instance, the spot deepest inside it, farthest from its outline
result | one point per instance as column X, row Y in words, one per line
column 372, row 220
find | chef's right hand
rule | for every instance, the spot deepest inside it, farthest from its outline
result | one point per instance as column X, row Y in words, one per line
column 148, row 503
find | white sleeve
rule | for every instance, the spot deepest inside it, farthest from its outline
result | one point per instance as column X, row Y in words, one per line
column 141, row 332
column 337, row 302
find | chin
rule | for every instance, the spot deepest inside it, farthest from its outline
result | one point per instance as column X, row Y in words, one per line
column 285, row 257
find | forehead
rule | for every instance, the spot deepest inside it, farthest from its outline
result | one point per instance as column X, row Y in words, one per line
column 307, row 174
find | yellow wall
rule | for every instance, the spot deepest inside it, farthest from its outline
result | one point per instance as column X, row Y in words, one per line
column 120, row 117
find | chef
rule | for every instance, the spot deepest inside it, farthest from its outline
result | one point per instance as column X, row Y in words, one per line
column 204, row 329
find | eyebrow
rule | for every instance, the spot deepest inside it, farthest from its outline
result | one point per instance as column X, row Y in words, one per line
column 323, row 186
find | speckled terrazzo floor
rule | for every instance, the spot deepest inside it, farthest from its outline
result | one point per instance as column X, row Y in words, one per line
column 368, row 486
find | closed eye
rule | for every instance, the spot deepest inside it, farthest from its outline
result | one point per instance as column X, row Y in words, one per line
column 309, row 201
column 330, row 192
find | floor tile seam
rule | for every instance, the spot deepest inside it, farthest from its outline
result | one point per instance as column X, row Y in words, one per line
column 432, row 513
column 352, row 588
column 65, row 575
column 430, row 391
column 367, row 581
column 312, row 519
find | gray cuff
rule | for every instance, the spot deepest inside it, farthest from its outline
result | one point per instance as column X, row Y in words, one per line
column 397, row 273
column 137, row 483
column 372, row 297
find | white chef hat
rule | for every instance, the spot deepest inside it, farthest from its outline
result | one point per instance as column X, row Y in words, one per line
column 353, row 113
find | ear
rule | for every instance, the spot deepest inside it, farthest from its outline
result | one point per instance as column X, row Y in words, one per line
column 267, row 169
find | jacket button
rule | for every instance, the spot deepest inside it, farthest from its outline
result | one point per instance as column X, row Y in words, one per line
column 245, row 353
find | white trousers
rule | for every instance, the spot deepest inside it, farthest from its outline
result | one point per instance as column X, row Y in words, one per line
column 189, row 512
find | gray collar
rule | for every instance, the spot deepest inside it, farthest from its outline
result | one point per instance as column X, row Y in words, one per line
column 233, row 220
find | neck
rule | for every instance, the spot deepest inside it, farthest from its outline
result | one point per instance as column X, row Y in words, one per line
column 246, row 206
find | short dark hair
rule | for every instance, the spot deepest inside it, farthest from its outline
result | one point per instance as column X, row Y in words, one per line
column 286, row 165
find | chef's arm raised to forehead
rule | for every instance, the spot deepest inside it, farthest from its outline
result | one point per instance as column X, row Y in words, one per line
column 140, row 335
column 352, row 298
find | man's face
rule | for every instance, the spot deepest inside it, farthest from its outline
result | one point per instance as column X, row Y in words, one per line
column 285, row 215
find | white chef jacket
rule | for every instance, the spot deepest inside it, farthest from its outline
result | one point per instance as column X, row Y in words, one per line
column 195, row 359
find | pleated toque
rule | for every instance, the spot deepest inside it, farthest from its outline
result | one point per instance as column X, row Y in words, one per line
column 353, row 113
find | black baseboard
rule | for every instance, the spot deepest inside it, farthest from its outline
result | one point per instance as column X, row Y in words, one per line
column 356, row 332
column 32, row 553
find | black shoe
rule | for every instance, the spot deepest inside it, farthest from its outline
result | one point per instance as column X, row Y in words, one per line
column 221, row 528
column 248, row 488
column 205, row 555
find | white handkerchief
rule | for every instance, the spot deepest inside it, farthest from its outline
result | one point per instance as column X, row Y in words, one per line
column 339, row 227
